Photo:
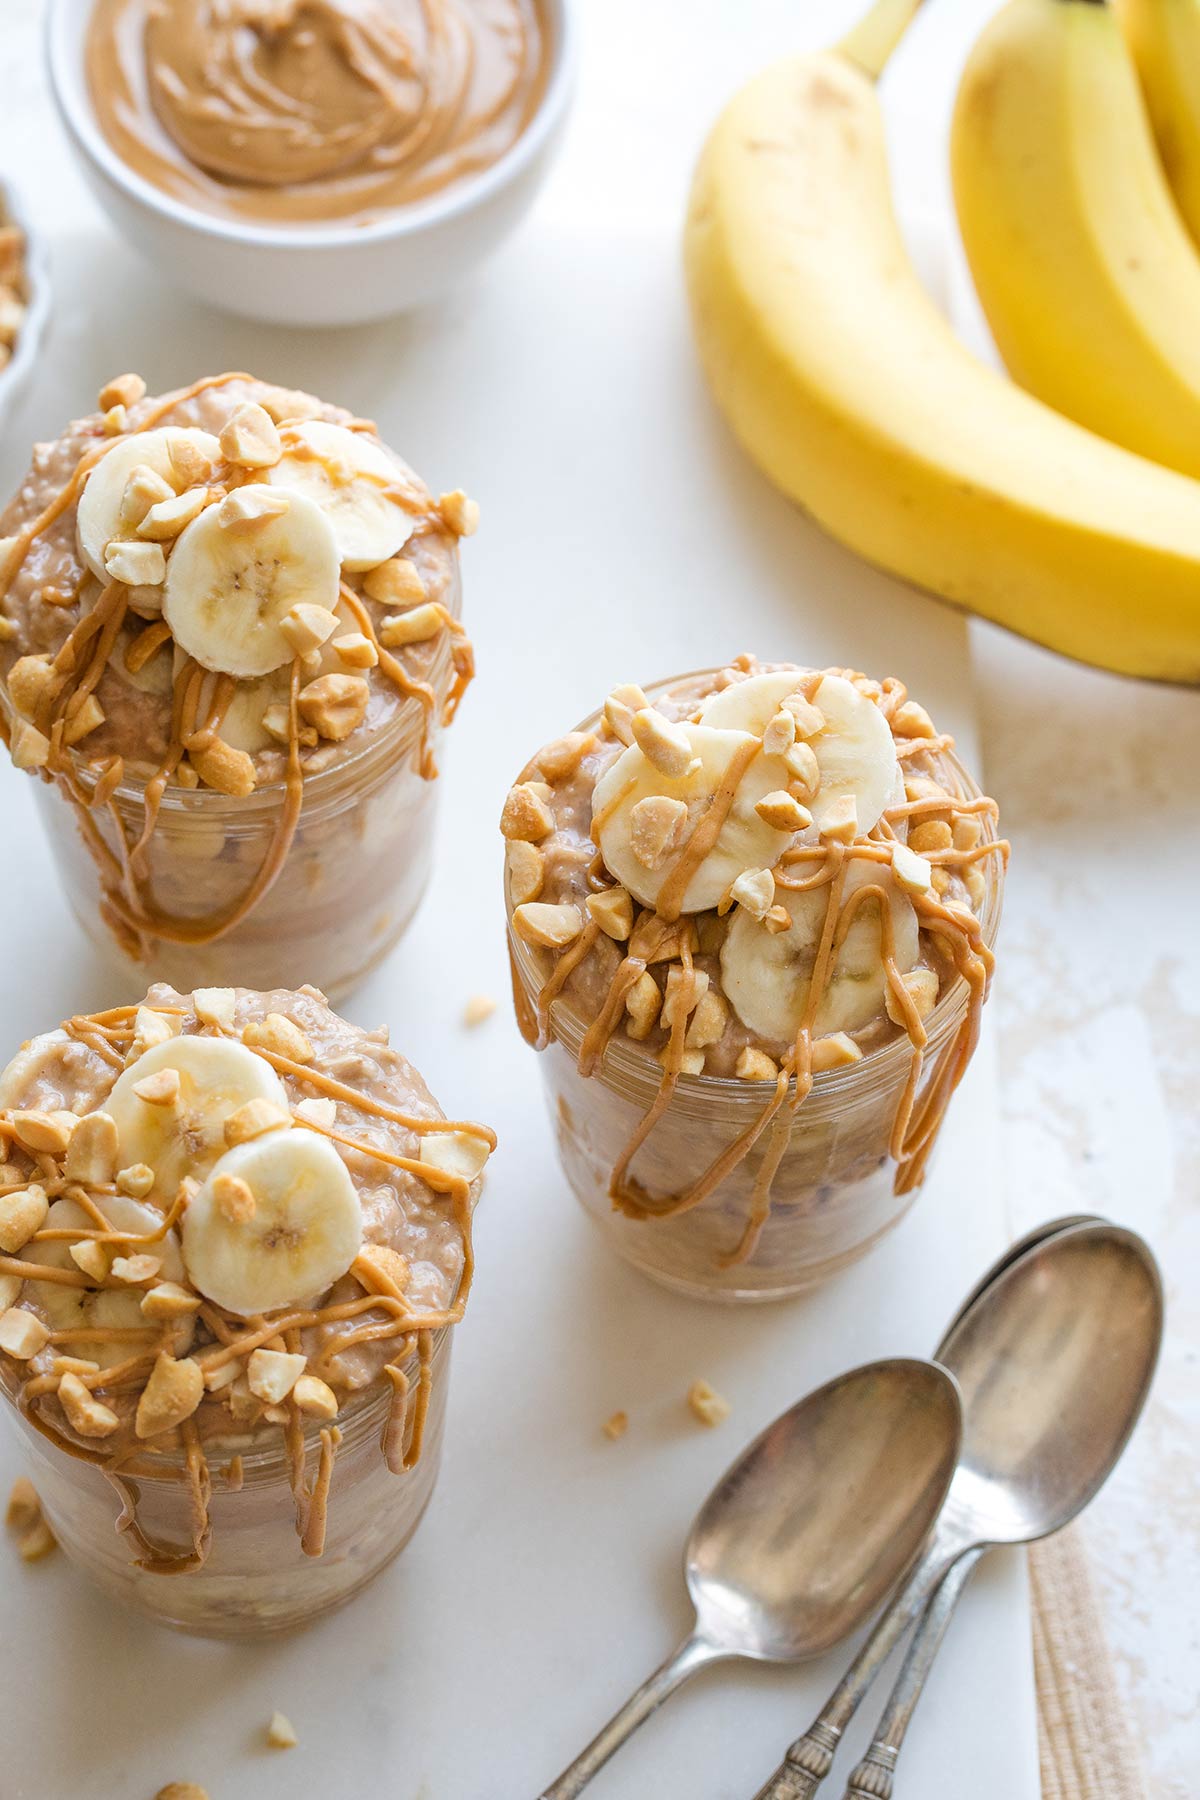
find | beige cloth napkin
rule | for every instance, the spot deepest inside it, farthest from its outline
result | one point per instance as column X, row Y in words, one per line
column 1087, row 1745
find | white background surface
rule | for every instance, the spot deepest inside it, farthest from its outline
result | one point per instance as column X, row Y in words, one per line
column 622, row 537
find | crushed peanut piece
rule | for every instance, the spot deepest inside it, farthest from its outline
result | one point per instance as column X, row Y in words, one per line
column 525, row 818
column 783, row 811
column 280, row 1035
column 780, row 733
column 552, row 927
column 560, row 760
column 170, row 1301
column 683, row 991
column 834, row 1052
column 167, row 518
column 247, row 507
column 163, row 1088
column 115, row 421
column 136, row 1269
column 30, row 748
column 306, row 627
column 616, row 1425
column 655, row 827
column 37, row 1542
column 642, row 1003
column 776, row 919
column 930, row 835
column 272, row 1374
column 48, row 1131
column 136, row 1180
column 690, row 1063
column 525, row 867
column 91, row 1257
column 24, row 1508
column 809, row 718
column 276, row 722
column 84, row 720
column 315, row 1397
column 334, row 705
column 460, row 514
column 478, row 1008
column 215, row 1006
column 382, row 1270
column 135, row 563
column 226, row 770
column 84, row 1414
column 612, row 910
column 394, row 583
column 250, row 438
column 967, row 831
column 664, row 745
column 912, row 721
column 21, row 1214
column 708, row 1022
column 171, row 1395
column 804, row 770
column 31, row 680
column 122, row 390
column 181, row 1790
column 619, row 709
column 755, row 1065
column 922, row 986
column 841, row 819
column 754, row 892
column 706, row 1405
column 416, row 626
column 150, row 1028
column 355, row 651
column 911, row 871
column 252, row 1119
column 281, row 1733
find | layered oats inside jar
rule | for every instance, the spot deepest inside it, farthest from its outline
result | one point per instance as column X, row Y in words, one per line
column 751, row 916
column 229, row 640
column 235, row 1236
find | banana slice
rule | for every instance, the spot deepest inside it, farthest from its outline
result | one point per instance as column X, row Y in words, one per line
column 302, row 1232
column 186, row 1136
column 745, row 841
column 18, row 1079
column 766, row 976
column 231, row 579
column 855, row 751
column 347, row 475
column 108, row 1309
column 98, row 518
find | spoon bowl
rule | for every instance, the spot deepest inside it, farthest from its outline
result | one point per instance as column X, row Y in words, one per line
column 802, row 1537
column 1054, row 1360
column 820, row 1517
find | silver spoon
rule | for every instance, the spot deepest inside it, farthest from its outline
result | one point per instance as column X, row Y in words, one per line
column 1054, row 1357
column 1068, row 1481
column 801, row 1539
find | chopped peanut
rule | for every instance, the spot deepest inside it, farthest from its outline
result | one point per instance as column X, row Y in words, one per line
column 612, row 910
column 21, row 1214
column 250, row 438
column 664, row 745
column 804, row 770
column 783, row 811
column 22, row 1334
column 135, row 563
column 46, row 1131
column 553, row 927
column 706, row 1405
column 655, row 827
column 306, row 627
column 170, row 1301
column 280, row 1035
column 460, row 514
column 708, row 1022
column 37, row 1542
column 755, row 1065
column 31, row 680
column 160, row 1089
column 912, row 721
column 780, row 733
column 394, row 583
column 478, row 1008
column 642, row 1003
column 84, row 1414
column 334, row 705
column 922, row 986
column 834, row 1052
column 315, row 1397
column 167, row 518
column 136, row 1269
column 911, row 871
column 215, row 1006
column 754, row 891
column 122, row 390
column 616, row 1425
column 171, row 1395
column 559, row 761
column 809, row 718
column 254, row 1118
column 272, row 1374
column 24, row 1508
column 526, row 817
column 413, row 627
column 931, row 835
column 355, row 651
column 226, row 770
column 525, row 867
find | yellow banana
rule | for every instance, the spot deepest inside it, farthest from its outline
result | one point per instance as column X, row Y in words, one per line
column 846, row 386
column 1164, row 36
column 1084, row 267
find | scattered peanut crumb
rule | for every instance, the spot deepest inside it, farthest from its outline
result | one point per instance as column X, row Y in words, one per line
column 24, row 1508
column 182, row 1790
column 281, row 1733
column 616, row 1426
column 37, row 1542
column 478, row 1008
column 709, row 1407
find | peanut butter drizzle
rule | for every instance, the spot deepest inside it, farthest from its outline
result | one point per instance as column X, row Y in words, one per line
column 915, row 1128
column 126, row 903
column 238, row 1337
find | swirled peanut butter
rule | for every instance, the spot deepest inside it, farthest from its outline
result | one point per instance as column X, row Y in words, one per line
column 304, row 111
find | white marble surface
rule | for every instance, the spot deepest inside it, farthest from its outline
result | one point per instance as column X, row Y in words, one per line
column 1098, row 1000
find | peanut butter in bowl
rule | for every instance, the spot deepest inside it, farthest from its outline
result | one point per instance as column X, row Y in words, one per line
column 313, row 111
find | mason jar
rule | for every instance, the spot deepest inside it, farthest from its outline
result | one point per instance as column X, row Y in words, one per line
column 347, row 888
column 256, row 1579
column 839, row 1185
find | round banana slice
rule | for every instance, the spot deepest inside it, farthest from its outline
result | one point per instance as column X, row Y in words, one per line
column 348, row 476
column 766, row 977
column 185, row 1135
column 233, row 578
column 108, row 1309
column 99, row 519
column 302, row 1232
column 855, row 751
column 18, row 1078
column 641, row 847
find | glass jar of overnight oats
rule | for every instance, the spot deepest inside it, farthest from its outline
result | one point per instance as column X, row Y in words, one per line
column 235, row 1235
column 755, row 1000
column 230, row 641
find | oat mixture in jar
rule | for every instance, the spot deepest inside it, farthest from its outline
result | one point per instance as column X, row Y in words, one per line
column 235, row 1233
column 229, row 638
column 751, row 923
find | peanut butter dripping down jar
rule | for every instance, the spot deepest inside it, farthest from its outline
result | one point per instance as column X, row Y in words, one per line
column 193, row 878
column 759, row 1189
column 245, row 1524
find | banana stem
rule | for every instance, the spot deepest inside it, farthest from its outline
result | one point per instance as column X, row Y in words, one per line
column 871, row 42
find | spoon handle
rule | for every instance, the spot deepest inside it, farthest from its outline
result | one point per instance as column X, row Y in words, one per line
column 874, row 1777
column 810, row 1758
column 691, row 1655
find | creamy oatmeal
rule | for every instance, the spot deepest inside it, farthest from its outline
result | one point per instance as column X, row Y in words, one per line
column 232, row 1228
column 312, row 111
column 770, row 878
column 229, row 637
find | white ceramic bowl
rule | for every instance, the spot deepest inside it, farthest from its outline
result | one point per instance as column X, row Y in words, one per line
column 15, row 375
column 320, row 274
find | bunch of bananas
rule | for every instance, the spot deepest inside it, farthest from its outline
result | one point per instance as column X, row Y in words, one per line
column 1066, row 507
